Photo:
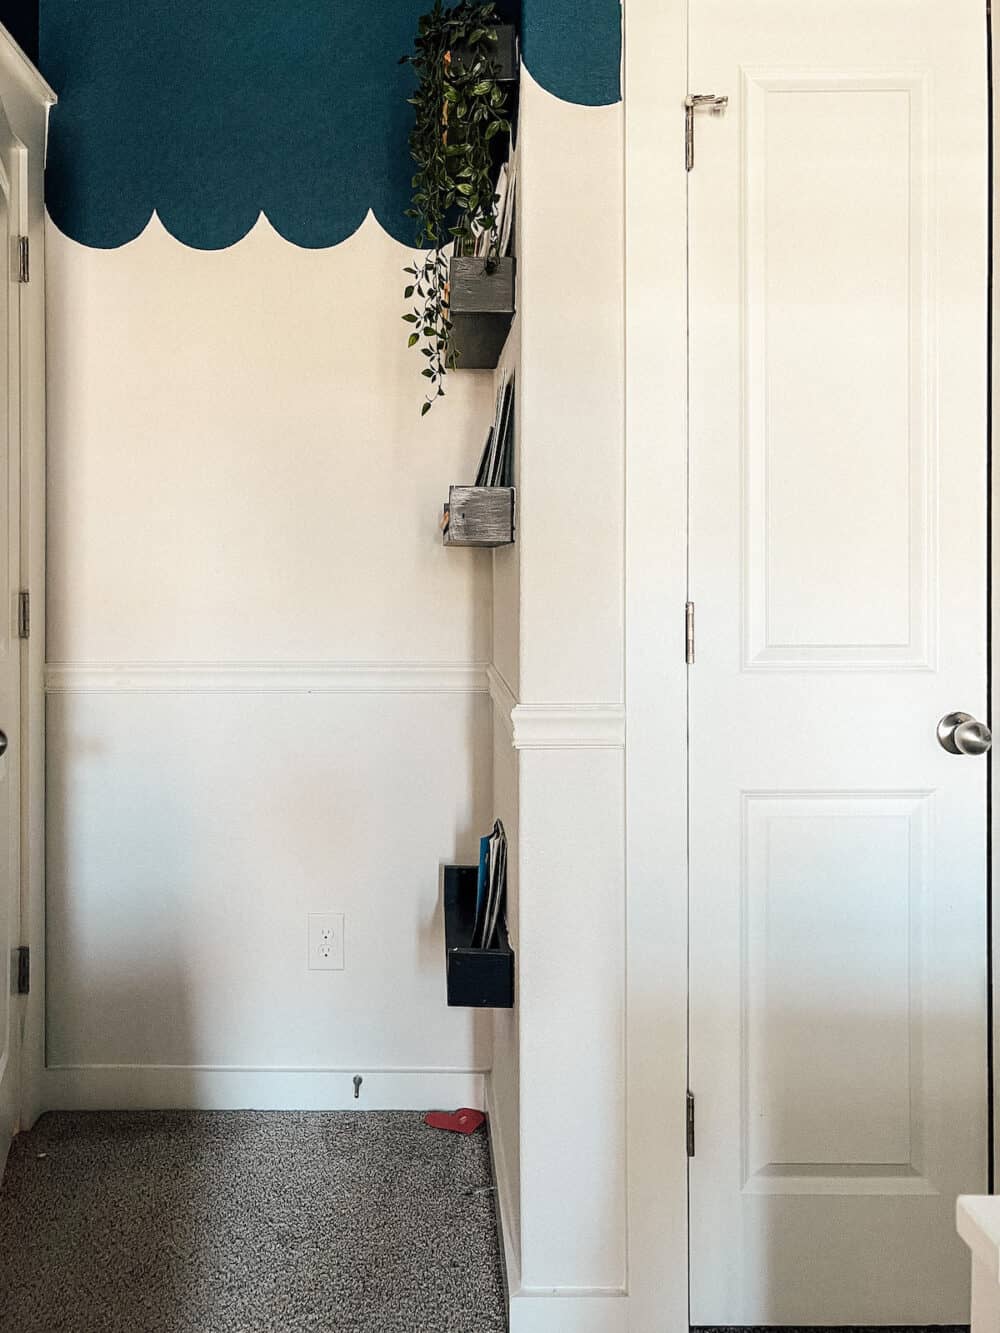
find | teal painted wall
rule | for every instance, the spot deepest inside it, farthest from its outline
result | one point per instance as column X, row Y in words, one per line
column 211, row 114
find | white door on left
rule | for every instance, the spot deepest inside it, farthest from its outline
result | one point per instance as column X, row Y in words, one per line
column 13, row 169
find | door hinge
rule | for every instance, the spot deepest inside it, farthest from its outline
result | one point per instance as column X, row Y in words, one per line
column 23, row 259
column 713, row 103
column 690, row 1124
column 23, row 615
column 689, row 633
column 23, row 970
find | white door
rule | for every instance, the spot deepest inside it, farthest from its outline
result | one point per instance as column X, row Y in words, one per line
column 13, row 166
column 838, row 408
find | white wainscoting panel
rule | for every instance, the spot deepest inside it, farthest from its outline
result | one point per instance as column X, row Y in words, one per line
column 191, row 834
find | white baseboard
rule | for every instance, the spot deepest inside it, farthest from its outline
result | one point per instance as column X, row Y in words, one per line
column 176, row 1087
column 549, row 1309
column 508, row 1218
column 559, row 1312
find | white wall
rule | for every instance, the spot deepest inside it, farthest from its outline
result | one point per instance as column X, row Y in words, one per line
column 266, row 684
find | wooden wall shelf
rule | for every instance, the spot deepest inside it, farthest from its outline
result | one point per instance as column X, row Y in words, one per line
column 480, row 516
column 481, row 310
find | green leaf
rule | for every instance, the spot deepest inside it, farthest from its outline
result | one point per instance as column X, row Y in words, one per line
column 413, row 339
column 410, row 319
column 427, row 372
column 425, row 409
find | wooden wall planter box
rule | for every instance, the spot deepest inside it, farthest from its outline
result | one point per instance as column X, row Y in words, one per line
column 481, row 310
column 505, row 52
column 480, row 516
column 477, row 978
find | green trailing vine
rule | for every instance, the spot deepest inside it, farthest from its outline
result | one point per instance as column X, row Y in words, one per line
column 459, row 109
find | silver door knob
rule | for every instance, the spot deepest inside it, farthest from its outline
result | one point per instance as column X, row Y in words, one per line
column 960, row 733
column 3, row 742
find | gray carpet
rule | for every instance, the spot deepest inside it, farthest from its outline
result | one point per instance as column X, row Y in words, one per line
column 248, row 1222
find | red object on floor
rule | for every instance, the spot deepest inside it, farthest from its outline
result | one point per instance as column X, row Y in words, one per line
column 463, row 1121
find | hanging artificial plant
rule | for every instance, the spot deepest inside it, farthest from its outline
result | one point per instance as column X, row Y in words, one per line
column 460, row 107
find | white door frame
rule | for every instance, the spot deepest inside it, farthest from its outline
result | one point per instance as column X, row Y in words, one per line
column 28, row 100
column 655, row 83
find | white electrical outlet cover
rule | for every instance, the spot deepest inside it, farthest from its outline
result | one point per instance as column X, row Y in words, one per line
column 326, row 941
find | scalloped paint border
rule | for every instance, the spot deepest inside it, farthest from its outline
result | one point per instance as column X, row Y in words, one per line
column 320, row 144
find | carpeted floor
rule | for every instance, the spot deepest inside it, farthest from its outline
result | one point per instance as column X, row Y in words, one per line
column 248, row 1222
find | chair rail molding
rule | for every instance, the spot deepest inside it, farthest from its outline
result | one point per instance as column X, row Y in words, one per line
column 556, row 726
column 266, row 678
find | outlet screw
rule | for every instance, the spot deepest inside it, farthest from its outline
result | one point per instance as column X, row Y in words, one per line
column 358, row 1080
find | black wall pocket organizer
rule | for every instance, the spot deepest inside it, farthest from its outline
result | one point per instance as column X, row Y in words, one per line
column 506, row 56
column 477, row 978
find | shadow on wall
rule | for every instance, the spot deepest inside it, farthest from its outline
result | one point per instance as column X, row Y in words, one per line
column 210, row 115
column 142, row 992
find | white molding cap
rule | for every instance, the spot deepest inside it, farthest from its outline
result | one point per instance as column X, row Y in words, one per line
column 568, row 727
column 556, row 726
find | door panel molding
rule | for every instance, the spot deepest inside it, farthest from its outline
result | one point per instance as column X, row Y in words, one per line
column 779, row 254
column 866, row 1137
